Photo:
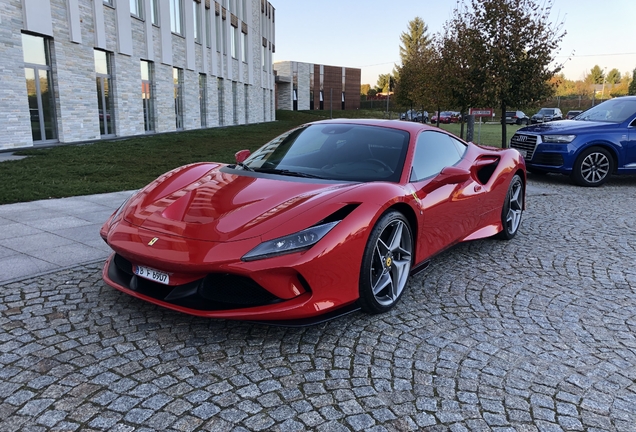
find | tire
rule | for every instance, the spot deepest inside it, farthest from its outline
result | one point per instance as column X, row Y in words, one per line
column 593, row 167
column 386, row 263
column 512, row 209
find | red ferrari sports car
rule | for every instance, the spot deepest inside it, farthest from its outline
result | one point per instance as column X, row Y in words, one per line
column 330, row 217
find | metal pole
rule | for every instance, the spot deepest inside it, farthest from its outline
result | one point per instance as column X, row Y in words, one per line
column 331, row 103
column 479, row 131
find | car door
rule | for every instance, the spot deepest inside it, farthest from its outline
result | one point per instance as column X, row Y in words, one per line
column 449, row 207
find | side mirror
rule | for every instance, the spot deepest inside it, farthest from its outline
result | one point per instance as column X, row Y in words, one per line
column 241, row 155
column 449, row 175
column 452, row 175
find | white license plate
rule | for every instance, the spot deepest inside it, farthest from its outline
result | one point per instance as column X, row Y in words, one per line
column 151, row 274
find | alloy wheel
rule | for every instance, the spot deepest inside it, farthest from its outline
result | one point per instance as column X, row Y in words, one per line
column 515, row 206
column 595, row 167
column 391, row 262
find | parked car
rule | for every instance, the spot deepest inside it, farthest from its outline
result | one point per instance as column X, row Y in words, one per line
column 447, row 117
column 517, row 117
column 408, row 115
column 546, row 115
column 598, row 143
column 572, row 113
column 421, row 117
column 327, row 218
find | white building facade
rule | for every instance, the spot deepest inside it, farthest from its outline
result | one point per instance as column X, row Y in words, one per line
column 85, row 70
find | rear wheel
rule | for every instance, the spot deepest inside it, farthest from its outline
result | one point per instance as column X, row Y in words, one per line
column 512, row 209
column 386, row 263
column 593, row 167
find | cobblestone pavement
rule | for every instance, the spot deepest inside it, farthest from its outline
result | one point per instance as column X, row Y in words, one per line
column 535, row 334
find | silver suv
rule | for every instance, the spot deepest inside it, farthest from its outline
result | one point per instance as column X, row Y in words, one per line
column 546, row 115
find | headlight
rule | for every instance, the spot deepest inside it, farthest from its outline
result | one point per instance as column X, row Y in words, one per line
column 559, row 139
column 299, row 241
column 121, row 207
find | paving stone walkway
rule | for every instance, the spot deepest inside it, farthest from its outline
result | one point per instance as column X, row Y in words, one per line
column 535, row 334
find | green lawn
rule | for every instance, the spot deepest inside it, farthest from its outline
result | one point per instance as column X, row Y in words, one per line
column 110, row 166
column 490, row 133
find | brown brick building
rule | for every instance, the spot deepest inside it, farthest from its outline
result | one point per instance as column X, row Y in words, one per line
column 307, row 86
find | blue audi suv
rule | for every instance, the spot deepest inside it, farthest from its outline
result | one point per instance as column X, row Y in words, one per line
column 596, row 144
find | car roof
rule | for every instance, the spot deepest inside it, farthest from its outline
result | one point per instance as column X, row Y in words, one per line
column 411, row 127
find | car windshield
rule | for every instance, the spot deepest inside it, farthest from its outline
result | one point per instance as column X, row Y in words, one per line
column 335, row 152
column 611, row 111
column 545, row 111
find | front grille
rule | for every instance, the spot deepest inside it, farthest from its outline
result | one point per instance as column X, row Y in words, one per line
column 236, row 290
column 524, row 142
column 217, row 291
column 550, row 159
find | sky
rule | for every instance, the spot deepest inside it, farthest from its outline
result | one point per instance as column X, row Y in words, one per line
column 365, row 34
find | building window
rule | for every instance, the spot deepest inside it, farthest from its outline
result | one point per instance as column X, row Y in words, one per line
column 219, row 38
column 154, row 12
column 244, row 11
column 203, row 99
column 208, row 28
column 137, row 8
column 235, row 116
column 197, row 21
column 234, row 42
column 37, row 71
column 176, row 16
column 224, row 36
column 244, row 47
column 221, row 100
column 108, row 2
column 147, row 95
column 263, row 55
column 104, row 92
column 247, row 103
column 177, row 76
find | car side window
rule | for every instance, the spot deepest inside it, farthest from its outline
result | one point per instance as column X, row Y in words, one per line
column 433, row 152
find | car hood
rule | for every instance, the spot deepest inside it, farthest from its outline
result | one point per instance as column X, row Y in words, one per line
column 219, row 205
column 565, row 126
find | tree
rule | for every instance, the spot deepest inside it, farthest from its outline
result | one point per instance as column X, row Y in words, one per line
column 596, row 75
column 632, row 86
column 509, row 47
column 462, row 80
column 415, row 41
column 383, row 83
column 364, row 89
column 613, row 76
column 412, row 76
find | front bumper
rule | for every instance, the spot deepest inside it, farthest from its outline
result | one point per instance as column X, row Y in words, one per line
column 209, row 279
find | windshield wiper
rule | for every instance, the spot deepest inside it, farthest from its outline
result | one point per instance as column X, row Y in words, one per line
column 287, row 172
column 245, row 167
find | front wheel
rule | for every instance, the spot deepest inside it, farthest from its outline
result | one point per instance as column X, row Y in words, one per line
column 386, row 263
column 512, row 209
column 593, row 167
